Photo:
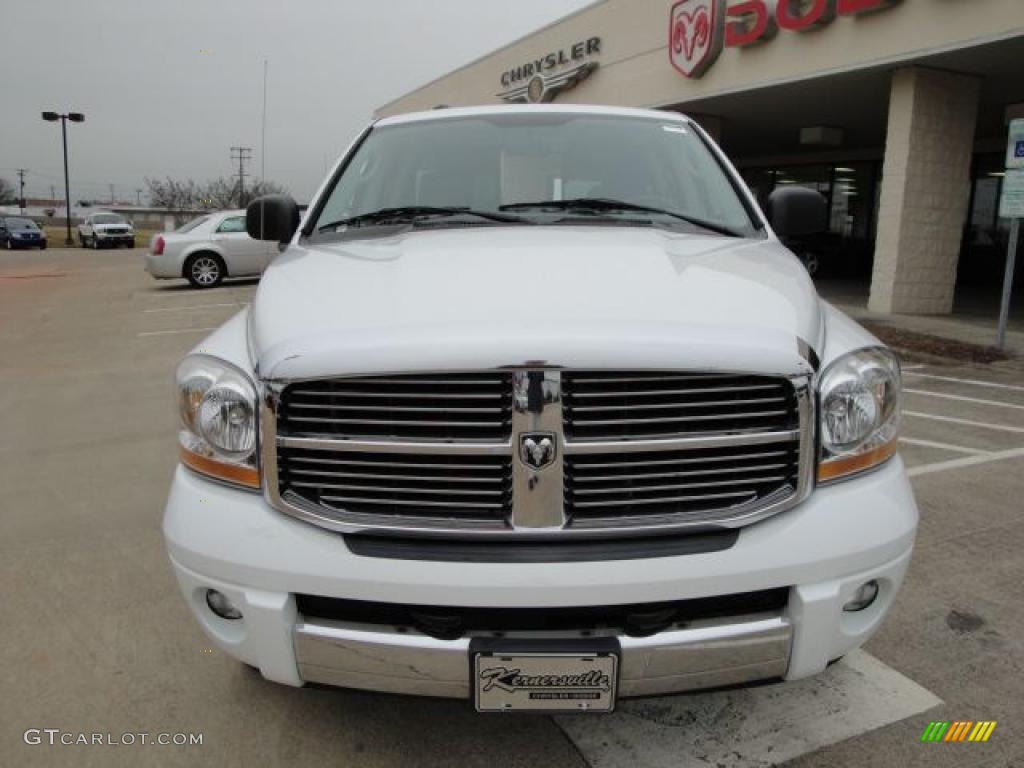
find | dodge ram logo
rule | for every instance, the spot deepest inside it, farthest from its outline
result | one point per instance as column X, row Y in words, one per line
column 537, row 449
column 695, row 35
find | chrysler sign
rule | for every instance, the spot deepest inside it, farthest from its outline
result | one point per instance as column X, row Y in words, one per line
column 699, row 29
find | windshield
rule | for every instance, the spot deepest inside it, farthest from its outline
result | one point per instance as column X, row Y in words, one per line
column 188, row 226
column 516, row 162
column 108, row 218
column 20, row 224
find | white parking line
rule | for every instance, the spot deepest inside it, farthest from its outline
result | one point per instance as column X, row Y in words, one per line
column 759, row 726
column 962, row 398
column 965, row 422
column 967, row 461
column 178, row 330
column 943, row 446
column 974, row 382
column 195, row 306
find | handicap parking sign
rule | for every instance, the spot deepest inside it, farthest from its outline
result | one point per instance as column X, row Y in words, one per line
column 1015, row 145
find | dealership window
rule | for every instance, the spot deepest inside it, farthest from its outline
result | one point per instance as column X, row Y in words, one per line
column 851, row 191
column 986, row 235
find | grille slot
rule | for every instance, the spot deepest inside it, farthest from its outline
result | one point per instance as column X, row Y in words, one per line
column 602, row 405
column 408, row 485
column 436, row 407
column 690, row 484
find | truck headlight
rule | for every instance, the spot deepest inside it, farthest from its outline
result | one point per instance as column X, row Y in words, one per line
column 217, row 405
column 859, row 412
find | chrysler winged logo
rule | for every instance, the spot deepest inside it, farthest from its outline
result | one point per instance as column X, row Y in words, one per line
column 696, row 35
column 543, row 88
column 537, row 449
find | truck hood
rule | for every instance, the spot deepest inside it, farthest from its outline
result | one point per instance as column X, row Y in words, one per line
column 574, row 296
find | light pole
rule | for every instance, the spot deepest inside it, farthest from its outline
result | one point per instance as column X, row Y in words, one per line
column 74, row 117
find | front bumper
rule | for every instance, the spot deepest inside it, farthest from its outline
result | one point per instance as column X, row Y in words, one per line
column 114, row 239
column 842, row 536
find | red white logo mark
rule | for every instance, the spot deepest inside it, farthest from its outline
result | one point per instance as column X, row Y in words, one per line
column 696, row 35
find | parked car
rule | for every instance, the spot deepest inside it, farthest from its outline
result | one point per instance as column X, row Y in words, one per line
column 102, row 229
column 18, row 232
column 207, row 249
column 536, row 411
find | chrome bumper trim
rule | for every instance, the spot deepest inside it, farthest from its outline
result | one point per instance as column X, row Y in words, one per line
column 704, row 655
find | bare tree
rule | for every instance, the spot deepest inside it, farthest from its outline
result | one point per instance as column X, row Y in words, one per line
column 7, row 193
column 218, row 194
column 173, row 194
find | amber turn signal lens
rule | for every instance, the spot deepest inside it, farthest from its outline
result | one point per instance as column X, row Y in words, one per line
column 833, row 469
column 232, row 473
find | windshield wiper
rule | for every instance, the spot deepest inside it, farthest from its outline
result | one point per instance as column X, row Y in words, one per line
column 598, row 204
column 411, row 213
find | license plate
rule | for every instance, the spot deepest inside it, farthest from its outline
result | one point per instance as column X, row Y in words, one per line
column 542, row 681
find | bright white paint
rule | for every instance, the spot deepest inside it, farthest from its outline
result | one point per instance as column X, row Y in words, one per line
column 942, row 446
column 965, row 422
column 967, row 461
column 176, row 330
column 579, row 296
column 754, row 727
column 238, row 304
column 973, row 382
column 961, row 398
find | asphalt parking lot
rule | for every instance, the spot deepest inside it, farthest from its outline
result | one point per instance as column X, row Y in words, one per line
column 97, row 639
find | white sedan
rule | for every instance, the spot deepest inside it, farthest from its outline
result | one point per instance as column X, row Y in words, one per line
column 207, row 249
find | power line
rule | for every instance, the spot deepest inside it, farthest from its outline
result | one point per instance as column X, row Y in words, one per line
column 242, row 155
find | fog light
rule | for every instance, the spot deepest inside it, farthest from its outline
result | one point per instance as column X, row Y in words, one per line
column 863, row 597
column 221, row 605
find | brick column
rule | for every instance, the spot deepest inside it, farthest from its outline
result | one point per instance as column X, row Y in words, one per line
column 925, row 191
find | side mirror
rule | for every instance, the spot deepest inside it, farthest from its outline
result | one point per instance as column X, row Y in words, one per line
column 272, row 217
column 796, row 211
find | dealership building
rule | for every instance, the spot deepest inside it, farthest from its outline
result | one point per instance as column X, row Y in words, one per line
column 896, row 110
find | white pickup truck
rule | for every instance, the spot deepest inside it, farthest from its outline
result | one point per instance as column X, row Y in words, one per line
column 534, row 410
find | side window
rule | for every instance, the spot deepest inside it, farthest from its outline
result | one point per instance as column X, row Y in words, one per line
column 232, row 224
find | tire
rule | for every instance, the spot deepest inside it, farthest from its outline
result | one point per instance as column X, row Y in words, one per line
column 205, row 270
column 811, row 263
column 81, row 240
column 7, row 244
column 42, row 247
column 95, row 243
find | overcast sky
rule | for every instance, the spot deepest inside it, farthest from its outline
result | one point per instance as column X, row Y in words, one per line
column 168, row 86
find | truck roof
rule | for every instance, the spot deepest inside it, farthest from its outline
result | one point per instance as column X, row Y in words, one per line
column 513, row 109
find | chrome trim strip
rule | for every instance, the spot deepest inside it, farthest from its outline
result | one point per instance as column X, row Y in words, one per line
column 680, row 443
column 382, row 446
column 538, row 494
column 709, row 653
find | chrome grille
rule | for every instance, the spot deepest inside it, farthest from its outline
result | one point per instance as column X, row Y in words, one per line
column 465, row 406
column 686, row 484
column 443, row 454
column 603, row 405
column 462, row 487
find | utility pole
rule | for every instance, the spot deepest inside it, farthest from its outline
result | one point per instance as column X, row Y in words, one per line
column 241, row 154
column 138, row 197
column 111, row 194
column 21, row 184
column 53, row 194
